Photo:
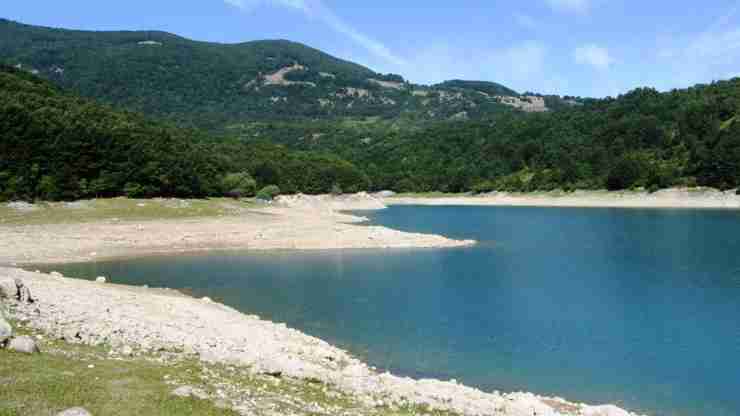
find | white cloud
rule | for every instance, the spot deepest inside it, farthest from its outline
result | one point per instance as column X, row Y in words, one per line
column 315, row 9
column 522, row 66
column 577, row 6
column 593, row 55
column 701, row 57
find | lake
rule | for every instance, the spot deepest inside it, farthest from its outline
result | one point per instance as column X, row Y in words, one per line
column 635, row 307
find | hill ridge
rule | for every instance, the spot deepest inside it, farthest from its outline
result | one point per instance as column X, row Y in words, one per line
column 207, row 84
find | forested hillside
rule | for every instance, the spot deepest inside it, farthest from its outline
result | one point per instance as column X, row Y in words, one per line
column 641, row 139
column 54, row 145
column 212, row 85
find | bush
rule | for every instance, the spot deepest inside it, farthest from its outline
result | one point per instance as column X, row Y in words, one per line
column 47, row 188
column 336, row 189
column 133, row 190
column 484, row 187
column 268, row 193
column 238, row 185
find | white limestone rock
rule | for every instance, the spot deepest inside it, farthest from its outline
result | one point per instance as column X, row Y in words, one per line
column 23, row 344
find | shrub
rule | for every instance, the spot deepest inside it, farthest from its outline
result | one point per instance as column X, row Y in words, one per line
column 268, row 193
column 484, row 187
column 238, row 185
column 133, row 190
column 336, row 189
column 47, row 188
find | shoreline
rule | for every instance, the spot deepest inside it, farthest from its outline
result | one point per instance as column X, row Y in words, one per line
column 672, row 198
column 293, row 223
column 168, row 322
column 152, row 320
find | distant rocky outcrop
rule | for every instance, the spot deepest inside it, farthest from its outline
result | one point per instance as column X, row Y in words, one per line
column 528, row 103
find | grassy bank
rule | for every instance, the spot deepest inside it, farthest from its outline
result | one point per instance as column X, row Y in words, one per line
column 69, row 375
column 66, row 376
column 122, row 209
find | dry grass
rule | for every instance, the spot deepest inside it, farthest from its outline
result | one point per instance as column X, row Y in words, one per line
column 121, row 209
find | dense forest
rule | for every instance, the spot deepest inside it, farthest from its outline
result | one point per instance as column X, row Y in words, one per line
column 55, row 145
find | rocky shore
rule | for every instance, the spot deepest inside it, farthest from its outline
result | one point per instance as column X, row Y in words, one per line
column 132, row 320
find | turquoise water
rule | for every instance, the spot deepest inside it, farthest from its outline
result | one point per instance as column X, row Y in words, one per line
column 635, row 307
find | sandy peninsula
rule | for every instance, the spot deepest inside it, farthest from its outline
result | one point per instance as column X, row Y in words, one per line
column 155, row 321
column 691, row 198
column 292, row 222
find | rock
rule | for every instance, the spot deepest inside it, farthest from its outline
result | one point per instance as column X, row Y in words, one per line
column 56, row 274
column 606, row 410
column 72, row 335
column 6, row 331
column 101, row 279
column 207, row 300
column 23, row 293
column 23, row 344
column 4, row 292
column 75, row 411
column 385, row 194
column 127, row 351
column 189, row 391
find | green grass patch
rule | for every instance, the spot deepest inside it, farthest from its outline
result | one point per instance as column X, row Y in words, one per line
column 44, row 384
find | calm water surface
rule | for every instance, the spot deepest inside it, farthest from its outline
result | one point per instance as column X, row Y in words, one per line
column 635, row 307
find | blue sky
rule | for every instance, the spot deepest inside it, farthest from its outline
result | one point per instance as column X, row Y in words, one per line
column 568, row 47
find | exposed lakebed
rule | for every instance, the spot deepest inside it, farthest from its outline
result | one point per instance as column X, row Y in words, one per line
column 635, row 307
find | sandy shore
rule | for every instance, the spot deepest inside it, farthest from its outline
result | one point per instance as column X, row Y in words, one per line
column 166, row 321
column 294, row 222
column 668, row 198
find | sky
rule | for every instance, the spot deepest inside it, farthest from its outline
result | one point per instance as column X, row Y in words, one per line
column 592, row 48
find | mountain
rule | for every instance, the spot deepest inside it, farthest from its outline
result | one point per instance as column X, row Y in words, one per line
column 214, row 85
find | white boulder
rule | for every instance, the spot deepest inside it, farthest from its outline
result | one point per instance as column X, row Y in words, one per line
column 23, row 344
